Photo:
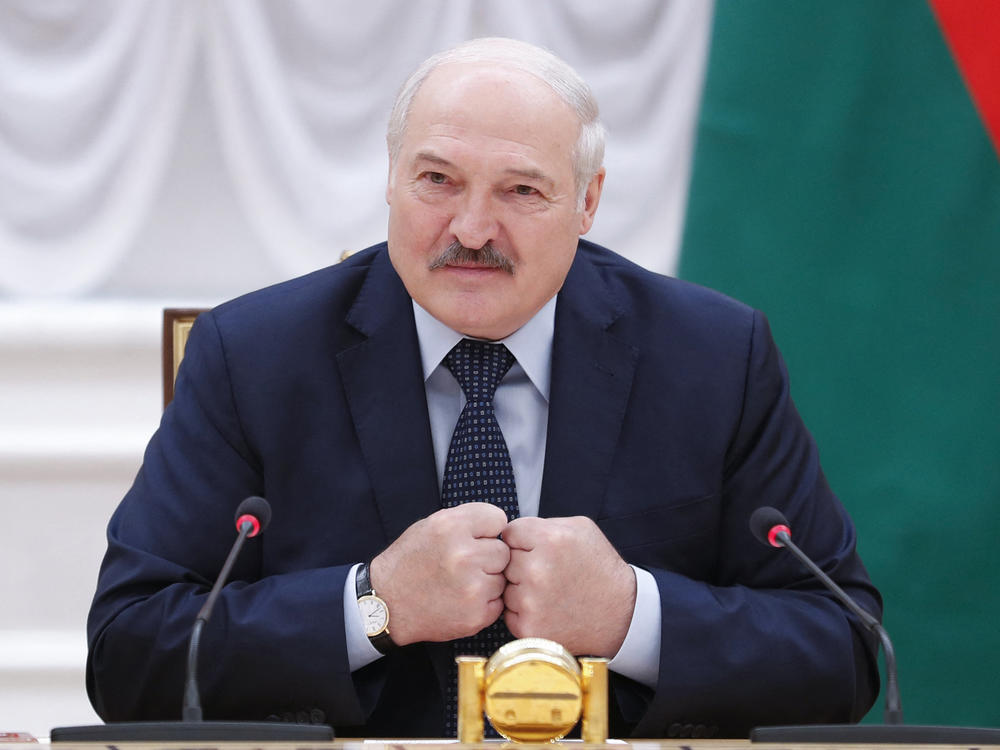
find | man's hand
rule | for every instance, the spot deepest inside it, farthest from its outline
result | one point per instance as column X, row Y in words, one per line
column 443, row 577
column 567, row 583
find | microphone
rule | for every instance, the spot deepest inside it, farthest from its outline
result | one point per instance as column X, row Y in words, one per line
column 252, row 517
column 770, row 527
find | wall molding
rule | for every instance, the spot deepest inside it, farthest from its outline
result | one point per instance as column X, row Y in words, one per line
column 80, row 396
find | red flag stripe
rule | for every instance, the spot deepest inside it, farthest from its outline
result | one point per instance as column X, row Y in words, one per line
column 972, row 30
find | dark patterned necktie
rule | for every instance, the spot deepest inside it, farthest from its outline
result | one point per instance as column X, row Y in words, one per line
column 478, row 469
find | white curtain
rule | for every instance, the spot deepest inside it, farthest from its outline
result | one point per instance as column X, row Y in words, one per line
column 93, row 94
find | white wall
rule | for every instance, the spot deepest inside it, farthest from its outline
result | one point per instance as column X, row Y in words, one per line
column 79, row 396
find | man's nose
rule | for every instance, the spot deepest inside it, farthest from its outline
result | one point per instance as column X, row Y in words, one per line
column 474, row 222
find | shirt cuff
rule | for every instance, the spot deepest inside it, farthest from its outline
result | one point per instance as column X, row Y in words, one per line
column 360, row 651
column 639, row 656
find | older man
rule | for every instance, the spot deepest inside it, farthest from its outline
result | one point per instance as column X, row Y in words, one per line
column 486, row 428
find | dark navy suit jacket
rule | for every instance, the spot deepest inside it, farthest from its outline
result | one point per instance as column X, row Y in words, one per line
column 670, row 421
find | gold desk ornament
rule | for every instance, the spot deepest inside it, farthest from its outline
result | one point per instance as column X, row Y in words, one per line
column 532, row 690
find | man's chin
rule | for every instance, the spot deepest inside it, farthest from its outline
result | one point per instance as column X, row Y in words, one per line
column 483, row 324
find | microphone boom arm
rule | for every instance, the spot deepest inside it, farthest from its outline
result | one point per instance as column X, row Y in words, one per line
column 191, row 710
column 893, row 707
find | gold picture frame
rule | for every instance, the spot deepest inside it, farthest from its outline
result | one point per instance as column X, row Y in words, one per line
column 177, row 322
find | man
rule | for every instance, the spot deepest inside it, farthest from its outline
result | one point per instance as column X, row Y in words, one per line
column 637, row 424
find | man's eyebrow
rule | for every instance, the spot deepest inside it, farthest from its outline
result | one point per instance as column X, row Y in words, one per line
column 432, row 158
column 530, row 174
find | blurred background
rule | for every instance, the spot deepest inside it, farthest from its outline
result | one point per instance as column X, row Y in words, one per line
column 833, row 164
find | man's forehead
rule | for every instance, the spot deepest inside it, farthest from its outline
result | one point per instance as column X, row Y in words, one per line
column 470, row 102
column 477, row 88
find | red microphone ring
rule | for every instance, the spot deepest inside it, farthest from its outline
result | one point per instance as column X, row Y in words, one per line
column 252, row 520
column 772, row 535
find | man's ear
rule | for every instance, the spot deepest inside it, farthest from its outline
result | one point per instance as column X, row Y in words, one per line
column 590, row 200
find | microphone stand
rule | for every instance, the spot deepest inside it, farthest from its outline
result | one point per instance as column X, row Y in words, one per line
column 893, row 731
column 192, row 728
column 191, row 710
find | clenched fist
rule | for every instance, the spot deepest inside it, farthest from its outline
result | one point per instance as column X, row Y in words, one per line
column 566, row 582
column 443, row 578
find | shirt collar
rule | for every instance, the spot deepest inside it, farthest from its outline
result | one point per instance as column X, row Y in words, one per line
column 531, row 344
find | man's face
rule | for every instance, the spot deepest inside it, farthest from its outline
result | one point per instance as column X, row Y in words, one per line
column 486, row 161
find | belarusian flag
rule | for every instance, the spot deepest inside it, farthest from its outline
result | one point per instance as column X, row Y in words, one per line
column 847, row 182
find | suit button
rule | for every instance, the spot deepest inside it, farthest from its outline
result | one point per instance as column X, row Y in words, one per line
column 688, row 730
column 317, row 716
column 288, row 716
column 699, row 731
column 674, row 730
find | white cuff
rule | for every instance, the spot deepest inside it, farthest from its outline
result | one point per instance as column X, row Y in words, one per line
column 639, row 656
column 360, row 650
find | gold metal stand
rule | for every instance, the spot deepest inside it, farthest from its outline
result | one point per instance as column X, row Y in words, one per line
column 532, row 690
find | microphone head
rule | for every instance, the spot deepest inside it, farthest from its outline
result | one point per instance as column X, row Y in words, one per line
column 255, row 510
column 765, row 523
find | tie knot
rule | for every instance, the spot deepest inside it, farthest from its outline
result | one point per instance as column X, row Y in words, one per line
column 479, row 367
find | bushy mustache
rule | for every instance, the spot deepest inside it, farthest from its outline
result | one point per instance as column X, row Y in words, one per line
column 487, row 256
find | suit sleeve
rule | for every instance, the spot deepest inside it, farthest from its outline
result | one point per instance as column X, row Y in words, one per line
column 758, row 641
column 275, row 645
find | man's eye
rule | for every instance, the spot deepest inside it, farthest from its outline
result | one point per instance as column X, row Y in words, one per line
column 437, row 178
column 524, row 190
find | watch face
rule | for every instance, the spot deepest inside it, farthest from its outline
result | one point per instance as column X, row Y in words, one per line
column 374, row 615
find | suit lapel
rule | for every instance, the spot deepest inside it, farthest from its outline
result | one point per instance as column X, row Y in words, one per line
column 591, row 380
column 383, row 379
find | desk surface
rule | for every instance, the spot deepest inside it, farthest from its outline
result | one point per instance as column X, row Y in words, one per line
column 402, row 744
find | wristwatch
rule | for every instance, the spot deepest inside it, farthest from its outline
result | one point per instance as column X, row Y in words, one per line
column 374, row 612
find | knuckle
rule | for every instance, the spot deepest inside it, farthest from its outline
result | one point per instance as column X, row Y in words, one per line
column 536, row 571
column 452, row 559
column 478, row 589
column 502, row 553
column 525, row 604
column 513, row 623
column 512, row 597
column 563, row 534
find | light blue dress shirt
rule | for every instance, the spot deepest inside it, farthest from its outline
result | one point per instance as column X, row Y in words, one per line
column 522, row 408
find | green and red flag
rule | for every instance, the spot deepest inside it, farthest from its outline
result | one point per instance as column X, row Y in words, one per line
column 846, row 181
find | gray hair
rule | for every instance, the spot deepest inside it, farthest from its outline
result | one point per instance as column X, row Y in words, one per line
column 588, row 152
